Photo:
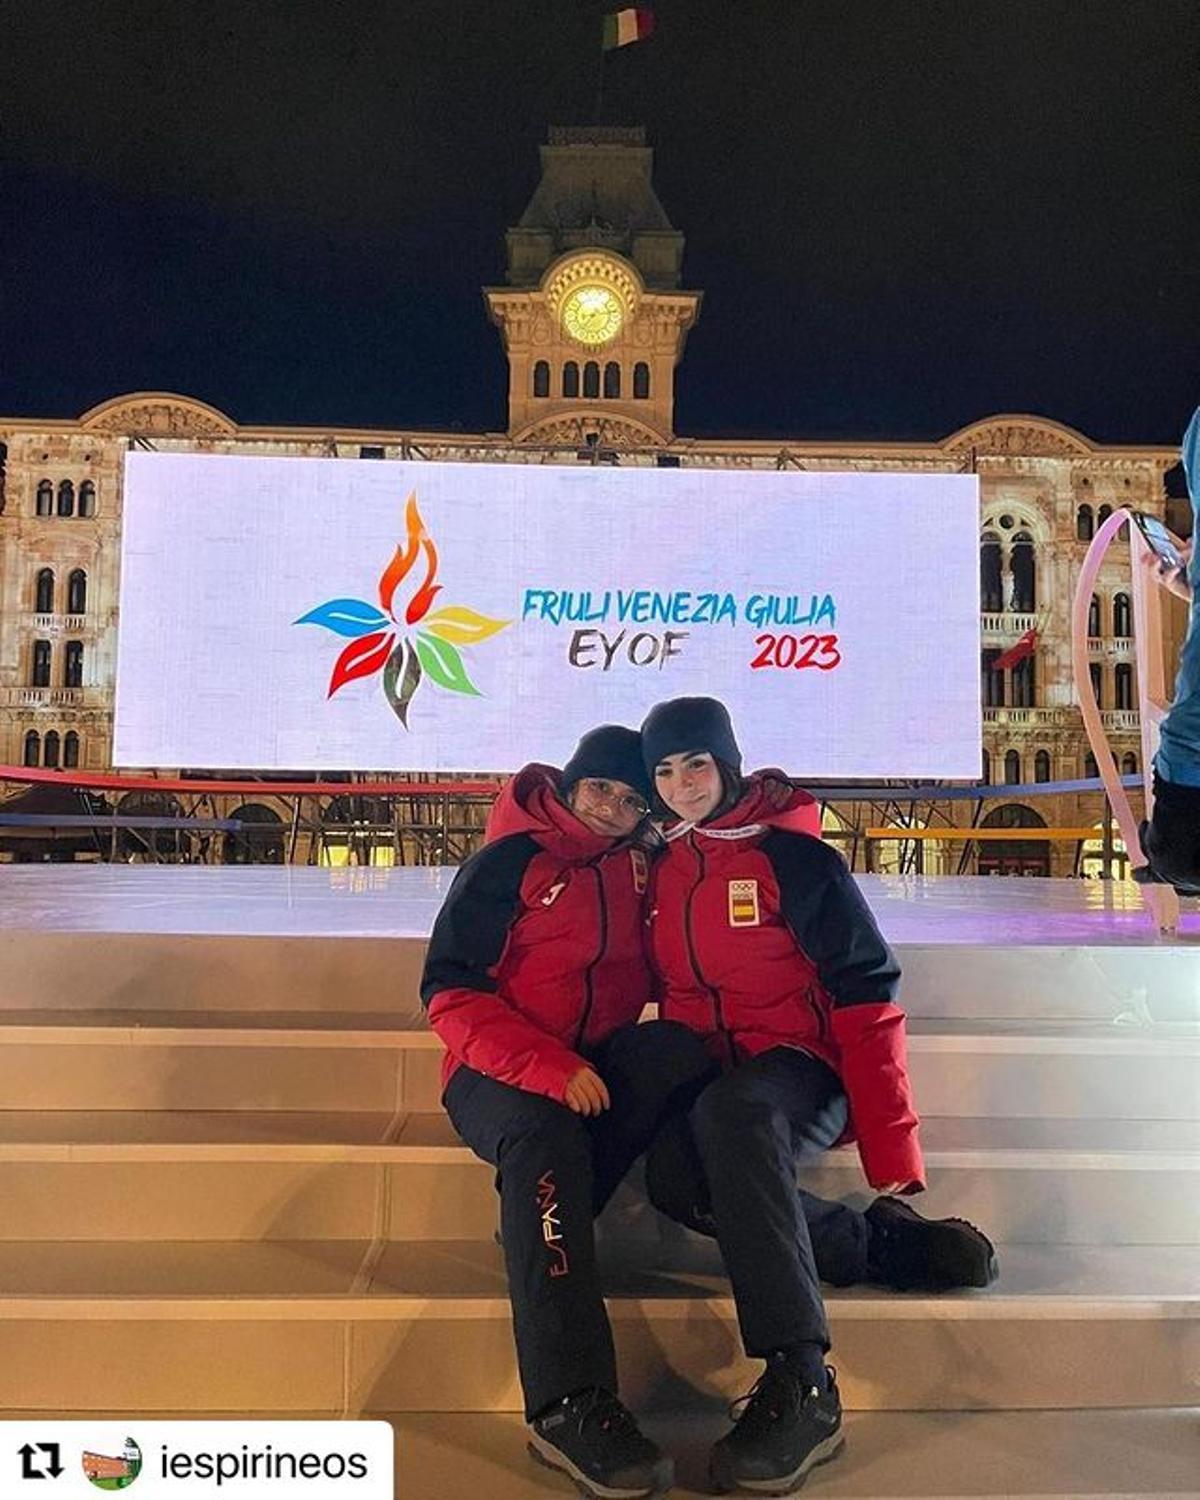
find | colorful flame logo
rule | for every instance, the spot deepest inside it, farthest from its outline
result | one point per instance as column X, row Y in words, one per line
column 377, row 641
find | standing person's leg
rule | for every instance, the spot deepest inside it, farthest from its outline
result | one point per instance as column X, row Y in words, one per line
column 1178, row 758
column 1171, row 839
column 542, row 1153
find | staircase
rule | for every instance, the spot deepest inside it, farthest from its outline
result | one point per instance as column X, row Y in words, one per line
column 229, row 1190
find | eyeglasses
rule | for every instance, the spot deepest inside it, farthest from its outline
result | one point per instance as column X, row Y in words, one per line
column 600, row 790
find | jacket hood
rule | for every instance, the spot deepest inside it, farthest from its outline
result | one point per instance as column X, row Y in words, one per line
column 771, row 801
column 530, row 804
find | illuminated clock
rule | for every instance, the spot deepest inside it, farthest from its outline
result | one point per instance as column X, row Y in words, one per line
column 592, row 314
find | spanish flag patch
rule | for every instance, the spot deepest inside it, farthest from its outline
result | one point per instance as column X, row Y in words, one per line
column 743, row 903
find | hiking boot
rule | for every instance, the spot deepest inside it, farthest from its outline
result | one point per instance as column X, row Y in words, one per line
column 594, row 1439
column 914, row 1254
column 785, row 1428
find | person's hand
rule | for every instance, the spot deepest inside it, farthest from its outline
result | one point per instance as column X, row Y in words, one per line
column 1175, row 580
column 586, row 1093
column 900, row 1189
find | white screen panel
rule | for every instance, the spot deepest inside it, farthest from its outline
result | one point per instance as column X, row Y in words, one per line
column 836, row 614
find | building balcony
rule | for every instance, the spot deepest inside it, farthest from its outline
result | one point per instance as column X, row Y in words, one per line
column 57, row 624
column 1027, row 718
column 1121, row 720
column 1104, row 648
column 47, row 697
column 1007, row 625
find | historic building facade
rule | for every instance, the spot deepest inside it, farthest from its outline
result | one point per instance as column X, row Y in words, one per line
column 594, row 322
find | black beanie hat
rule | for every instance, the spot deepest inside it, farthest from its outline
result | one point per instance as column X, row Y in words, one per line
column 685, row 724
column 612, row 751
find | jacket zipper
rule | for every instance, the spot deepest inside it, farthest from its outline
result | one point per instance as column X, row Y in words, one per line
column 713, row 992
column 588, row 989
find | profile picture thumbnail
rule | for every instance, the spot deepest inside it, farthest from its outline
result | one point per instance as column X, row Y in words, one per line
column 113, row 1471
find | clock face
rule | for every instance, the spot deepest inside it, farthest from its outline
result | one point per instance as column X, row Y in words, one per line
column 592, row 314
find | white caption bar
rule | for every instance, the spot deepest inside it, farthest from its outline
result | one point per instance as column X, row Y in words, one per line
column 191, row 1460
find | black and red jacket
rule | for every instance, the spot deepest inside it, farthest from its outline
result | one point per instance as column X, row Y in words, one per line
column 538, row 953
column 760, row 938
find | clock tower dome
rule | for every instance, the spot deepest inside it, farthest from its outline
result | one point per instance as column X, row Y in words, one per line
column 592, row 316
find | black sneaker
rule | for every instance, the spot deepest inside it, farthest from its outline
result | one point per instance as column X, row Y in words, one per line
column 914, row 1254
column 785, row 1429
column 595, row 1440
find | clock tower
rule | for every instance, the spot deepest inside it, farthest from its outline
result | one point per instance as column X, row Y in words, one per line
column 592, row 316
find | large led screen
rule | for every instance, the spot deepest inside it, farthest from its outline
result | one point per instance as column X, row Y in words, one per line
column 333, row 614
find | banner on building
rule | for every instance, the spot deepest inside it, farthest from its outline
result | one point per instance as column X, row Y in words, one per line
column 333, row 614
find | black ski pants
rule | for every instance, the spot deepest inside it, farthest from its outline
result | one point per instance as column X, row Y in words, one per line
column 555, row 1170
column 727, row 1167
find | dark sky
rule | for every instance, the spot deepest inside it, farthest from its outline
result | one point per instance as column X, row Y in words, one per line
column 904, row 214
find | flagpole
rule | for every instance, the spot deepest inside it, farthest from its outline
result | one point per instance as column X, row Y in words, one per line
column 600, row 77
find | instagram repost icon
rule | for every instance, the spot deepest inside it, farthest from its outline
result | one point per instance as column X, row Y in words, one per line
column 113, row 1471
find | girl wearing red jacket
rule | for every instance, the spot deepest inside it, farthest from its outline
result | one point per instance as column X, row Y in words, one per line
column 535, row 976
column 763, row 946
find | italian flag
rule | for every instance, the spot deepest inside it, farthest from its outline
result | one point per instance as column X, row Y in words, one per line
column 625, row 26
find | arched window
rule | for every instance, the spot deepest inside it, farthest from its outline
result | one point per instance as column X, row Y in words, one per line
column 1124, row 684
column 1094, row 626
column 1129, row 764
column 1103, row 514
column 45, row 498
column 50, row 752
column 993, row 681
column 1090, row 768
column 991, row 591
column 1122, row 616
column 1041, row 766
column 66, row 498
column 591, row 380
column 41, row 664
column 1085, row 528
column 1024, row 574
column 1029, row 856
column 612, row 380
column 1024, row 684
column 570, row 384
column 1012, row 768
column 33, row 748
column 87, row 498
column 73, row 665
column 71, row 749
column 44, row 594
column 987, row 769
column 1097, row 677
column 541, row 379
column 77, row 592
column 641, row 381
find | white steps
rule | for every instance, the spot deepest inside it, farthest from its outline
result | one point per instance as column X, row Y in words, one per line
column 365, row 1061
column 426, row 1327
column 353, row 1175
column 229, row 1188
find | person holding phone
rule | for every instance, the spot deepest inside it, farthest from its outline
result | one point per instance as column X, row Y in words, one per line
column 1171, row 839
column 534, row 980
column 763, row 945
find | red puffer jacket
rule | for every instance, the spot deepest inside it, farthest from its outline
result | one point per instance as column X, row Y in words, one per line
column 539, row 952
column 760, row 938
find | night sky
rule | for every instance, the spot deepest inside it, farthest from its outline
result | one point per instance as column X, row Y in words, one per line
column 903, row 214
